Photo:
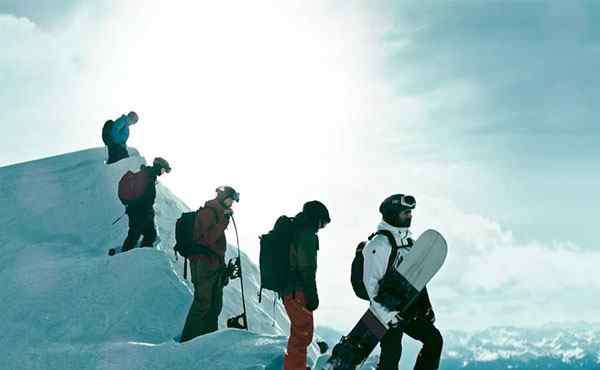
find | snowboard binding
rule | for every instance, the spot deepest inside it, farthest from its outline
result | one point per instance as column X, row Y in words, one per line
column 238, row 322
column 345, row 356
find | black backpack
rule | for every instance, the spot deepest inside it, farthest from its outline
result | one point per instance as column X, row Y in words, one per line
column 274, row 257
column 184, row 234
column 185, row 245
column 107, row 133
column 358, row 264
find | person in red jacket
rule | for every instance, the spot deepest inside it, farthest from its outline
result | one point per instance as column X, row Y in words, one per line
column 209, row 273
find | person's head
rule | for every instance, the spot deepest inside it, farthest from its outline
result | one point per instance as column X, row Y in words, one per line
column 397, row 210
column 316, row 214
column 226, row 195
column 161, row 166
column 132, row 117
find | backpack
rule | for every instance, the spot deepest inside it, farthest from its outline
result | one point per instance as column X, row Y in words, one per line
column 107, row 133
column 184, row 234
column 185, row 245
column 132, row 186
column 274, row 257
column 358, row 264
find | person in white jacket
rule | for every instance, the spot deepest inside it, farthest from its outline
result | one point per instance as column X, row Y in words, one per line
column 418, row 320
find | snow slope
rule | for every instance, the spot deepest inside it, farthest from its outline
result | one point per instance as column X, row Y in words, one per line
column 67, row 305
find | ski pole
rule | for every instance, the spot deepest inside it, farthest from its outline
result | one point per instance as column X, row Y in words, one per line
column 119, row 219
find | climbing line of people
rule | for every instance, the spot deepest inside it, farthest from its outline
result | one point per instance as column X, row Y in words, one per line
column 288, row 260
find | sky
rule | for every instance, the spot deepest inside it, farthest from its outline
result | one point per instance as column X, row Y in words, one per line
column 482, row 110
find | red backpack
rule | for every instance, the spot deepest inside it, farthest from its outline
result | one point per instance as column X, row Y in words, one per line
column 132, row 186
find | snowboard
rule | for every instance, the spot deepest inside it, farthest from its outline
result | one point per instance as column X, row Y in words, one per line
column 417, row 268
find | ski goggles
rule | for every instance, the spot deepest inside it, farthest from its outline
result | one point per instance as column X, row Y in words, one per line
column 234, row 195
column 228, row 192
column 408, row 201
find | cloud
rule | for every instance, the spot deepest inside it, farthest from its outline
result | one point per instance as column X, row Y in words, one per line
column 46, row 13
column 492, row 278
column 46, row 81
column 503, row 79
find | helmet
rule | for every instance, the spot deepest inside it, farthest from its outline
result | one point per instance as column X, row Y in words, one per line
column 224, row 192
column 133, row 117
column 316, row 212
column 397, row 203
column 160, row 163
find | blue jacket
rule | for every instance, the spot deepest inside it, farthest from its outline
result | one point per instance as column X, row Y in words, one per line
column 120, row 130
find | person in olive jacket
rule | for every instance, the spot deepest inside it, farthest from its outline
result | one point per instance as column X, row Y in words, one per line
column 301, row 298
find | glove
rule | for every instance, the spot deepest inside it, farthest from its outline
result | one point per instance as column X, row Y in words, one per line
column 429, row 315
column 397, row 321
column 228, row 213
column 323, row 347
column 233, row 269
column 312, row 302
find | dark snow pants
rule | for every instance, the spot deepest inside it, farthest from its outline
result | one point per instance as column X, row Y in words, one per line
column 203, row 317
column 418, row 329
column 116, row 152
column 141, row 223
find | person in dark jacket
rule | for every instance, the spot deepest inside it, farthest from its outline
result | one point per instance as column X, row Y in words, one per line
column 141, row 212
column 300, row 297
column 418, row 320
column 209, row 273
column 115, row 135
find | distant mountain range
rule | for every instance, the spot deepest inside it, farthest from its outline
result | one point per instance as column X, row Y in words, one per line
column 554, row 346
column 551, row 347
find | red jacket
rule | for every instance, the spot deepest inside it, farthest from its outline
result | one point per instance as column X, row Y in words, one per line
column 209, row 231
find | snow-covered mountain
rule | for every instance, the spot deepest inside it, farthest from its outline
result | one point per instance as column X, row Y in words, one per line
column 554, row 347
column 65, row 304
column 574, row 346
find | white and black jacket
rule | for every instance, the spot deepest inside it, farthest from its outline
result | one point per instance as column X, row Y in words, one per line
column 376, row 254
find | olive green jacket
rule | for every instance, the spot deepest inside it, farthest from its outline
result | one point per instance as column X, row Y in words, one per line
column 303, row 266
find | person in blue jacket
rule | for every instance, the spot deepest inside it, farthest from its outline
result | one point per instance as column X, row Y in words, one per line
column 115, row 135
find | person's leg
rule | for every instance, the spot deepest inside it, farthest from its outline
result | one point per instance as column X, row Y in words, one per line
column 430, row 336
column 121, row 152
column 116, row 153
column 134, row 234
column 199, row 320
column 301, row 331
column 217, row 303
column 391, row 350
column 149, row 232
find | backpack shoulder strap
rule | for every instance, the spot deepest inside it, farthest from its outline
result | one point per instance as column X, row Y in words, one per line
column 388, row 234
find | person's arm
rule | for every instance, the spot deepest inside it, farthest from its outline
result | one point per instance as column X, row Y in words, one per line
column 376, row 255
column 210, row 229
column 306, row 248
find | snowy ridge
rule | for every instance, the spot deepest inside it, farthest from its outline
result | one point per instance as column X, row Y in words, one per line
column 569, row 345
column 67, row 305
